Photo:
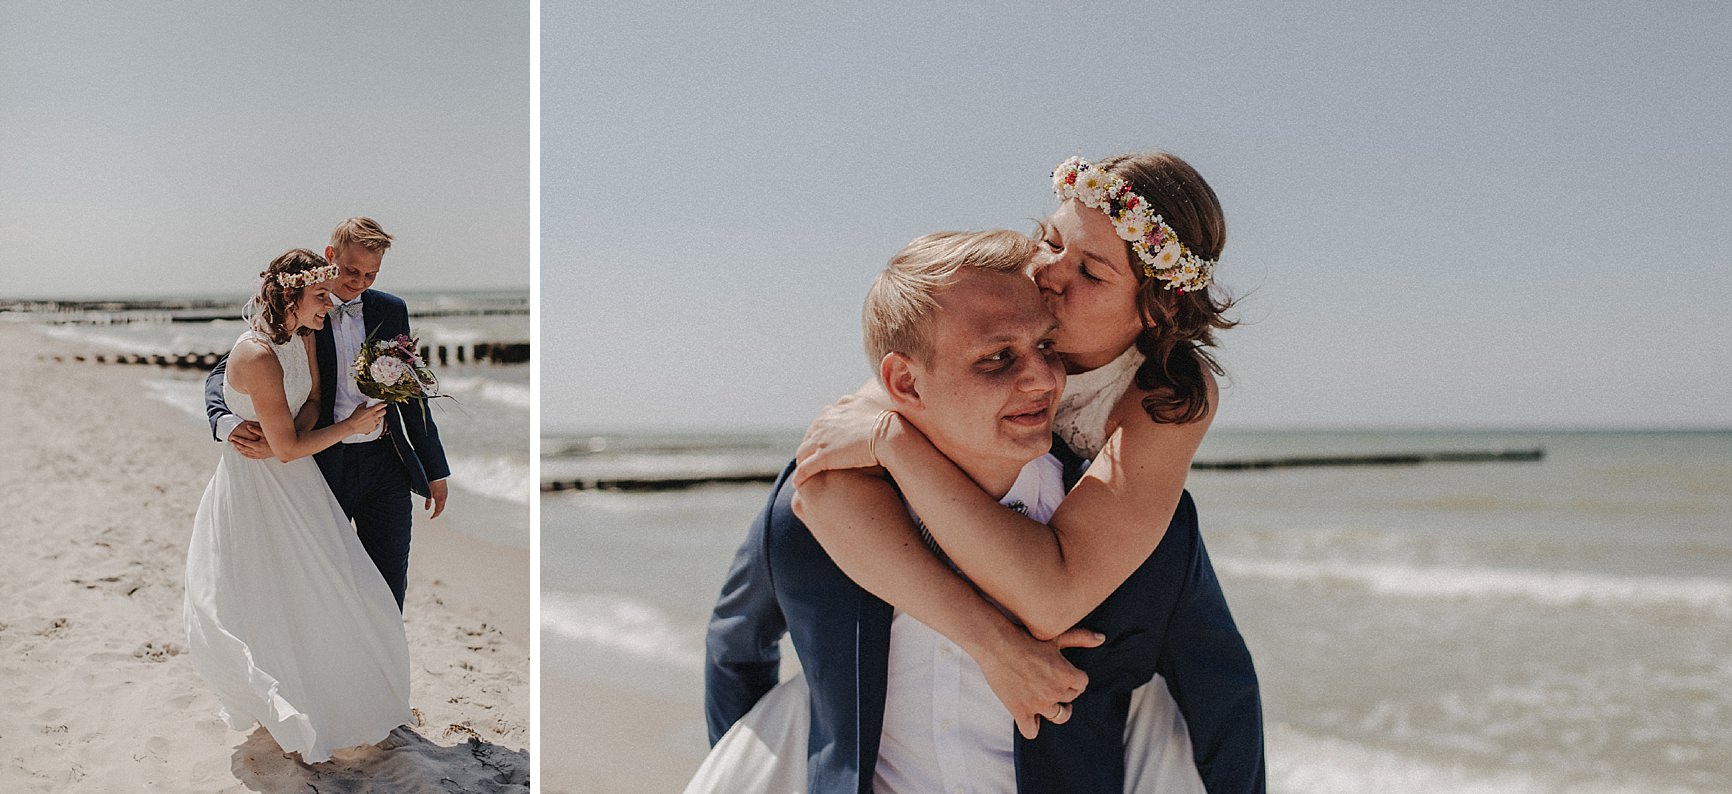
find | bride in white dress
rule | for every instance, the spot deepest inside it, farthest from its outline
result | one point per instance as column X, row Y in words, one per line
column 286, row 617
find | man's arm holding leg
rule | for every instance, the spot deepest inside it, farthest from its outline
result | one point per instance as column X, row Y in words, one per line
column 1208, row 669
column 742, row 655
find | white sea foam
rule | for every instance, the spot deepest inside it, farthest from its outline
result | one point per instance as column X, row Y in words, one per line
column 108, row 342
column 623, row 624
column 1300, row 762
column 510, row 395
column 498, row 478
column 1554, row 588
column 187, row 395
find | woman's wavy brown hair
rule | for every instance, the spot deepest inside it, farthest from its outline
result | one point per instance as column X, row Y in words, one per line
column 269, row 310
column 1178, row 328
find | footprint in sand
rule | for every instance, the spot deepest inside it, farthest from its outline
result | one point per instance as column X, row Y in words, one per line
column 483, row 637
column 154, row 651
column 120, row 585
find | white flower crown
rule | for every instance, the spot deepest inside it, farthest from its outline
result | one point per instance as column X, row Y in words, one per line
column 1164, row 257
column 307, row 278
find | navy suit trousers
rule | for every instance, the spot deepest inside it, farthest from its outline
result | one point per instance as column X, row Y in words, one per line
column 372, row 485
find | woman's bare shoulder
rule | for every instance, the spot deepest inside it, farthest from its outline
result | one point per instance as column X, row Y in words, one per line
column 1131, row 414
column 253, row 358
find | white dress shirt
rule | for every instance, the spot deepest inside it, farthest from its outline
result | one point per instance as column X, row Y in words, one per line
column 349, row 333
column 226, row 424
column 944, row 730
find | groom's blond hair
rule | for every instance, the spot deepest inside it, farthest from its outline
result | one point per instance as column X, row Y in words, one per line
column 361, row 231
column 897, row 317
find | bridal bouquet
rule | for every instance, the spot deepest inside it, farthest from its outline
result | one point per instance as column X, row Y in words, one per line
column 392, row 370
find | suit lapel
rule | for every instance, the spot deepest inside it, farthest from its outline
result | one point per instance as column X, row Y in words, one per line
column 1073, row 464
column 872, row 670
column 371, row 316
column 325, row 348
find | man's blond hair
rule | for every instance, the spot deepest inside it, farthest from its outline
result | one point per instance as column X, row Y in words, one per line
column 361, row 231
column 897, row 317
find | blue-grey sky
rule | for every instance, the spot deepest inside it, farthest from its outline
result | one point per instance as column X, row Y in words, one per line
column 175, row 148
column 1468, row 215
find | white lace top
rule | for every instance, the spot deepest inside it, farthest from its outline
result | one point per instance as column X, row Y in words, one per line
column 1089, row 397
column 297, row 376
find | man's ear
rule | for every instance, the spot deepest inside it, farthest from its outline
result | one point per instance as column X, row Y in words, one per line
column 331, row 254
column 900, row 381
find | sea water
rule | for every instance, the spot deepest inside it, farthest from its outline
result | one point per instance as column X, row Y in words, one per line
column 1561, row 625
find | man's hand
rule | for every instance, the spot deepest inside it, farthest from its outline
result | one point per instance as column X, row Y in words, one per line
column 1034, row 680
column 437, row 491
column 249, row 439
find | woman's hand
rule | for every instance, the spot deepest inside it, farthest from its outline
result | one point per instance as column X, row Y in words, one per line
column 366, row 418
column 844, row 436
column 1035, row 681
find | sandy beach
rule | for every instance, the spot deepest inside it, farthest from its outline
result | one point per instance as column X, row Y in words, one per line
column 101, row 484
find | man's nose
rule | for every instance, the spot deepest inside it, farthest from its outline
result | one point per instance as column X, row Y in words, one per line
column 1036, row 374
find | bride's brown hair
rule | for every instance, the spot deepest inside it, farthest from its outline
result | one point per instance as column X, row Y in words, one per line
column 270, row 308
column 1178, row 327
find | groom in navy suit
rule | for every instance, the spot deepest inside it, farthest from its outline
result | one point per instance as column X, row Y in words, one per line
column 992, row 417
column 371, row 475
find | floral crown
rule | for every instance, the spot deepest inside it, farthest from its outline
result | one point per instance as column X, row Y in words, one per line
column 307, row 278
column 1164, row 257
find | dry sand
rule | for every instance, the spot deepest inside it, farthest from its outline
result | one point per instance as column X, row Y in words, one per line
column 600, row 739
column 98, row 486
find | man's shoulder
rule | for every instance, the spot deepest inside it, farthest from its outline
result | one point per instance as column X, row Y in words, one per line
column 779, row 518
column 785, row 536
column 383, row 298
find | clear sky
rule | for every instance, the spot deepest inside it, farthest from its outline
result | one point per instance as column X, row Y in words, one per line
column 1449, row 215
column 175, row 148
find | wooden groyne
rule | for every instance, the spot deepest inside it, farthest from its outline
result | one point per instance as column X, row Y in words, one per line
column 659, row 483
column 201, row 361
column 437, row 355
column 1395, row 459
column 676, row 483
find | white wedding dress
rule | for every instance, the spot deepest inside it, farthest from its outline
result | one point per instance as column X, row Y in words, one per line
column 765, row 752
column 286, row 616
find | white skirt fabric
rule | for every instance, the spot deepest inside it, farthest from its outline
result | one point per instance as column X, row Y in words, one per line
column 287, row 618
column 766, row 750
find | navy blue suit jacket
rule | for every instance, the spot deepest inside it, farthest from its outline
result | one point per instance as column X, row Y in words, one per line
column 412, row 432
column 1169, row 617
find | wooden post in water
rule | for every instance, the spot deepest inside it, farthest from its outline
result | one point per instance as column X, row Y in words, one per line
column 674, row 483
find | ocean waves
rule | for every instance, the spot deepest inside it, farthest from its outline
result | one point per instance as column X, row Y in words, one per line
column 621, row 624
column 1549, row 588
column 499, row 477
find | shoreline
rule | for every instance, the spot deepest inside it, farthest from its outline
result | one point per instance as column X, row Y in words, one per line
column 103, row 482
